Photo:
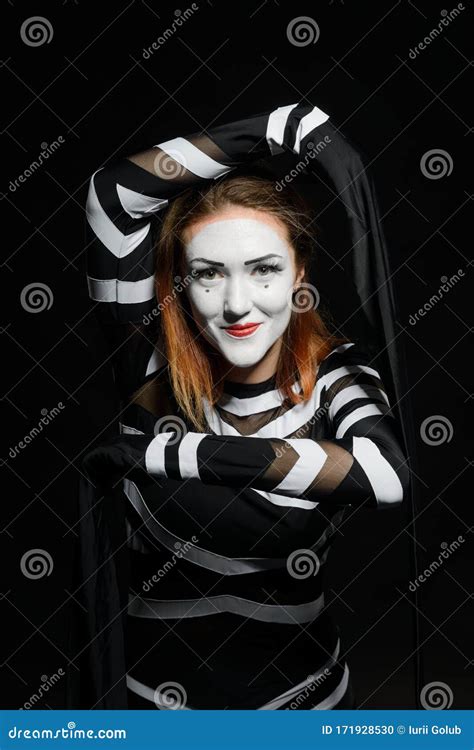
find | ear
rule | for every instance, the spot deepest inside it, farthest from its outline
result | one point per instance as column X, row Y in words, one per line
column 299, row 276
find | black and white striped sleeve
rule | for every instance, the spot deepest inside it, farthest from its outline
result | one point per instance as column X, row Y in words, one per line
column 360, row 463
column 125, row 196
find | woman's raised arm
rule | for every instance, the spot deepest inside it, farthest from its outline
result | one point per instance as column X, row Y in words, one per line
column 124, row 196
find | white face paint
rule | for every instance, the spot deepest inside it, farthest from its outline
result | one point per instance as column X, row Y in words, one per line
column 235, row 289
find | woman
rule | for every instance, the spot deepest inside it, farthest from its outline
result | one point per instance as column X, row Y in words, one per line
column 247, row 432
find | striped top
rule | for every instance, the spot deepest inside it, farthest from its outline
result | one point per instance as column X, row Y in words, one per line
column 229, row 529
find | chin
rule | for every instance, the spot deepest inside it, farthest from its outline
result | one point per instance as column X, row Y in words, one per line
column 243, row 362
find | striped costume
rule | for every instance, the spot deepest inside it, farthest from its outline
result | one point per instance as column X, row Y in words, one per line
column 228, row 531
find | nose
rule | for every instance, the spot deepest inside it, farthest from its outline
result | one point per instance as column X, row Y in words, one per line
column 237, row 302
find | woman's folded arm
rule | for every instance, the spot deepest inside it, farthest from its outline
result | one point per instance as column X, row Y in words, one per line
column 361, row 461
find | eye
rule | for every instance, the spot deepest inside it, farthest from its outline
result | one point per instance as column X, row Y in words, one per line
column 269, row 267
column 200, row 274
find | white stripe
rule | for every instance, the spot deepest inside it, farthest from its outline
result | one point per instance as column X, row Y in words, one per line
column 352, row 392
column 339, row 349
column 124, row 292
column 333, row 699
column 187, row 455
column 138, row 205
column 197, row 555
column 286, row 501
column 382, row 476
column 310, row 462
column 192, row 158
column 293, row 692
column 119, row 244
column 371, row 410
column 276, row 128
column 242, row 407
column 245, row 406
column 155, row 454
column 126, row 430
column 172, row 609
column 341, row 372
column 307, row 123
column 156, row 361
column 286, row 424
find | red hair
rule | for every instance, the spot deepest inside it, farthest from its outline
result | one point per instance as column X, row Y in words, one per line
column 196, row 369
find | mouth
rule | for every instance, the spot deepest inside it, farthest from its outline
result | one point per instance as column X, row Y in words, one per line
column 241, row 331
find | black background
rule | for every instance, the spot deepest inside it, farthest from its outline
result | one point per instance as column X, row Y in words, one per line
column 92, row 85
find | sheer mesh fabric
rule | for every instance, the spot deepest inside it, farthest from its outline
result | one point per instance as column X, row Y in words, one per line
column 162, row 165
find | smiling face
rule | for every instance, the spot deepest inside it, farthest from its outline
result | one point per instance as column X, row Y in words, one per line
column 245, row 274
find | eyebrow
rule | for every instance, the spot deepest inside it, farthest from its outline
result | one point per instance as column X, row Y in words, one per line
column 246, row 263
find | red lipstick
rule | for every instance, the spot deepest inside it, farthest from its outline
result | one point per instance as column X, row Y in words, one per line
column 242, row 330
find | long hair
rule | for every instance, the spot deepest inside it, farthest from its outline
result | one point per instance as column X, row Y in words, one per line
column 196, row 369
